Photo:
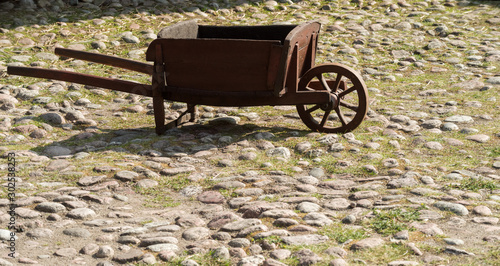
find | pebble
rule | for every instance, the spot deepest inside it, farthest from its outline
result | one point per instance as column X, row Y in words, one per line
column 453, row 207
column 367, row 243
column 81, row 214
column 482, row 210
column 40, row 233
column 77, row 232
column 66, row 252
column 51, row 207
column 304, row 239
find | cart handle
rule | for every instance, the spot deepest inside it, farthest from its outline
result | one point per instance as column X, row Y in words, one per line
column 107, row 60
column 102, row 82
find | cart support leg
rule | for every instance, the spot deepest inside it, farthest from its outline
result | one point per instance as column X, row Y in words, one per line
column 190, row 115
column 158, row 86
column 193, row 111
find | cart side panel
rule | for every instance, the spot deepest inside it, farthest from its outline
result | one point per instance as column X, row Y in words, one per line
column 218, row 65
column 303, row 39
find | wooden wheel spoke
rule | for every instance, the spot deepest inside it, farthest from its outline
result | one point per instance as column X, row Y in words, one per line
column 344, row 93
column 309, row 89
column 341, row 116
column 312, row 109
column 348, row 105
column 324, row 83
column 337, row 82
column 325, row 118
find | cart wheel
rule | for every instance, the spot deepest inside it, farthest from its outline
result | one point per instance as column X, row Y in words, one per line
column 349, row 99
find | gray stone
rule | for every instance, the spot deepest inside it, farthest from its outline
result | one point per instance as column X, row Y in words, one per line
column 133, row 254
column 278, row 213
column 456, row 208
column 317, row 219
column 211, row 197
column 239, row 243
column 338, row 262
column 349, row 219
column 228, row 120
column 240, row 225
column 303, row 147
column 90, row 180
column 40, row 233
column 189, row 262
column 27, row 213
column 279, row 152
column 105, row 252
column 221, row 253
column 364, row 195
column 126, row 175
column 493, row 80
column 147, row 183
column 251, row 260
column 430, row 229
column 456, row 251
column 54, row 151
column 481, row 138
column 433, row 145
column 163, row 247
column 482, row 210
column 402, row 182
column 485, row 220
column 454, row 241
column 66, row 252
column 367, row 243
column 81, row 213
column 308, row 207
column 2, row 261
column 459, row 119
column 51, row 207
column 337, row 204
column 196, row 233
column 5, row 235
column 53, row 118
column 77, row 232
column 336, row 251
column 402, row 235
column 304, row 239
column 317, row 172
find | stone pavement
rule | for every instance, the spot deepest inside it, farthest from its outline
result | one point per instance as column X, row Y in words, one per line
column 253, row 186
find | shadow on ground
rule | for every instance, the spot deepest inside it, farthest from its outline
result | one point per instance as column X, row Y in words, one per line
column 189, row 139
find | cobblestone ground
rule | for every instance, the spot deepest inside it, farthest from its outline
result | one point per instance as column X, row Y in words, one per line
column 418, row 183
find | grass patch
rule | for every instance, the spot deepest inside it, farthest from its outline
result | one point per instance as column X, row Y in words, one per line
column 393, row 221
column 494, row 152
column 475, row 184
column 384, row 254
column 342, row 233
column 157, row 198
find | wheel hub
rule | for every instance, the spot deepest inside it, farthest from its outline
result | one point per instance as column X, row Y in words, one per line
column 332, row 103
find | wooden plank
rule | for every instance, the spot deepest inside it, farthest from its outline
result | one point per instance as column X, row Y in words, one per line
column 108, row 83
column 217, row 65
column 107, row 60
column 158, row 88
column 247, row 98
column 300, row 35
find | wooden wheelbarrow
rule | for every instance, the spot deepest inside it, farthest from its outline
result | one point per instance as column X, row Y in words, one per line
column 234, row 66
